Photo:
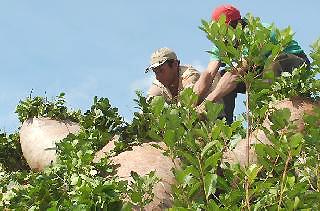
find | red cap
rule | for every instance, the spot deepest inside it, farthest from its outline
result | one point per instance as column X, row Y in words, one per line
column 228, row 10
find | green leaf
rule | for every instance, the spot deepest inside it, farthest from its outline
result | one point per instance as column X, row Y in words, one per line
column 215, row 132
column 235, row 125
column 235, row 139
column 212, row 205
column 169, row 137
column 188, row 98
column 157, row 105
column 136, row 197
column 74, row 179
column 194, row 189
column 280, row 118
column 291, row 180
column 252, row 172
column 212, row 160
column 190, row 158
column 285, row 74
column 296, row 202
column 210, row 182
column 126, row 207
column 182, row 174
column 134, row 175
column 296, row 140
column 201, row 133
column 153, row 135
column 178, row 209
column 207, row 148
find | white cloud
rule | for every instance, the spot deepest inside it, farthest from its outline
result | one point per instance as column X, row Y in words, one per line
column 81, row 95
column 142, row 84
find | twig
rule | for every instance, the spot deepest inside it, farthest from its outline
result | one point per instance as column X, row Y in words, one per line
column 283, row 180
column 248, row 143
column 248, row 122
column 247, row 194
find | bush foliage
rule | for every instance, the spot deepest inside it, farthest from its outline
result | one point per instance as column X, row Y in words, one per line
column 285, row 177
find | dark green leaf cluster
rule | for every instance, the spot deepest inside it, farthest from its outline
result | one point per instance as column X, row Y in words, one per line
column 76, row 180
column 301, row 82
column 253, row 43
column 11, row 157
column 102, row 121
column 140, row 191
column 136, row 132
column 253, row 47
column 288, row 176
column 41, row 107
column 315, row 54
column 198, row 145
column 102, row 116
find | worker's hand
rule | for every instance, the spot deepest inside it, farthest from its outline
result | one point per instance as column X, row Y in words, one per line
column 226, row 84
column 243, row 68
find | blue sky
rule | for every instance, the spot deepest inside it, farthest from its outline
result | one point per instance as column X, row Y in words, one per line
column 88, row 48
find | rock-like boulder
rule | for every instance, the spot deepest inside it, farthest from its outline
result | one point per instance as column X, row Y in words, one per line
column 38, row 137
column 297, row 106
column 144, row 159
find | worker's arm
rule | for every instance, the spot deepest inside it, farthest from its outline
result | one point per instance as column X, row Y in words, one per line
column 226, row 84
column 202, row 86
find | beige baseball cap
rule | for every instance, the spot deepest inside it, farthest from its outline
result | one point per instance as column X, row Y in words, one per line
column 159, row 57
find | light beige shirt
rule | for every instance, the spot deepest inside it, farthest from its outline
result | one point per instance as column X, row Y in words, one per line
column 188, row 76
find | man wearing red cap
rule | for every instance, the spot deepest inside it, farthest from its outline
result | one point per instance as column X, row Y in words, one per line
column 228, row 87
column 232, row 14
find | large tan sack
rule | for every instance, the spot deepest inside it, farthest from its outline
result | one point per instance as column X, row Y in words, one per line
column 38, row 137
column 144, row 159
column 297, row 106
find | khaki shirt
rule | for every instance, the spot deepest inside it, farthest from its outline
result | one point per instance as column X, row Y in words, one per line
column 187, row 78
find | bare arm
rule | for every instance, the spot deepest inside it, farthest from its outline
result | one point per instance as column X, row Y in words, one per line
column 227, row 84
column 202, row 86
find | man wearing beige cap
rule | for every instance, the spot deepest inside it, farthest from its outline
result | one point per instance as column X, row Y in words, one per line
column 171, row 77
column 292, row 57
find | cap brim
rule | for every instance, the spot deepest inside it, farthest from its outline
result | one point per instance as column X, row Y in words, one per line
column 154, row 65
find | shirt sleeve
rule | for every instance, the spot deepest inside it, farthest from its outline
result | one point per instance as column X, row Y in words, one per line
column 190, row 77
column 214, row 55
column 158, row 89
column 155, row 89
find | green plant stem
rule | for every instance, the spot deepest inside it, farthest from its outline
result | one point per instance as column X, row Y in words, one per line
column 202, row 180
column 283, row 180
column 249, row 124
column 248, row 143
column 318, row 175
column 247, row 194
